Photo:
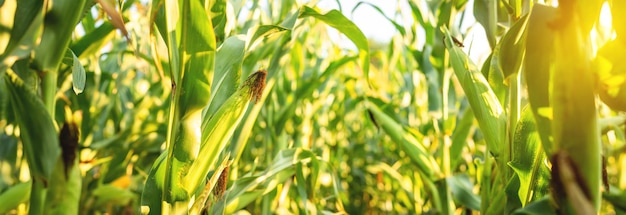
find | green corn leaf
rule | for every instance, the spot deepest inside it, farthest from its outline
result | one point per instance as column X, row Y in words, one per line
column 461, row 188
column 425, row 18
column 497, row 198
column 111, row 195
column 486, row 14
column 305, row 92
column 195, row 51
column 78, row 72
column 336, row 20
column 27, row 19
column 249, row 188
column 495, row 76
column 167, row 15
column 242, row 134
column 408, row 143
column 484, row 103
column 14, row 196
column 512, row 48
column 445, row 197
column 301, row 183
column 263, row 31
column 93, row 41
column 59, row 23
column 617, row 198
column 432, row 78
column 228, row 62
column 219, row 19
column 38, row 134
column 527, row 157
column 153, row 188
column 542, row 206
column 539, row 58
column 511, row 189
column 459, row 137
column 395, row 175
column 198, row 48
column 445, row 13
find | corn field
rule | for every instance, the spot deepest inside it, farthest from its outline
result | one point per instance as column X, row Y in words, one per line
column 287, row 107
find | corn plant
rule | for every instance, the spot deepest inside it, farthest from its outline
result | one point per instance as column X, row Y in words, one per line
column 35, row 45
column 263, row 107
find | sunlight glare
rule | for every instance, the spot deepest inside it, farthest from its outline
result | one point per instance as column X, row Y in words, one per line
column 603, row 31
column 605, row 16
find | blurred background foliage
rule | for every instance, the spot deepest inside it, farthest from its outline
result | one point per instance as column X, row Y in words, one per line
column 398, row 137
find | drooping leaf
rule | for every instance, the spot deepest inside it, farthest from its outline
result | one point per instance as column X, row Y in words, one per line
column 338, row 21
column 263, row 31
column 397, row 25
column 78, row 72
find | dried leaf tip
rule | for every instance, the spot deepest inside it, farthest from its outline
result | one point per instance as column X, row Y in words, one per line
column 256, row 81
